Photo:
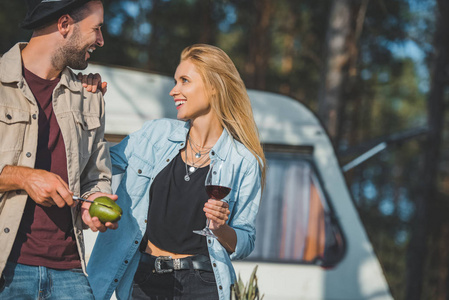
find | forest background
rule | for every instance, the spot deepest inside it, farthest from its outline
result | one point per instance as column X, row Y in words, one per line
column 373, row 71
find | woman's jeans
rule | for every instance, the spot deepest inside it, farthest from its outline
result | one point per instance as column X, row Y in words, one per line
column 176, row 285
column 28, row 282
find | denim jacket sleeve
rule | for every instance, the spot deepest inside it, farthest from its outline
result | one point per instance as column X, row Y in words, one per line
column 119, row 158
column 244, row 212
column 121, row 152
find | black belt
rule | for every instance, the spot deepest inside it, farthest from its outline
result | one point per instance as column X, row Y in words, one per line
column 167, row 264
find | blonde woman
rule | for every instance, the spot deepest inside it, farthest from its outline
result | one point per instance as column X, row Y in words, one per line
column 154, row 253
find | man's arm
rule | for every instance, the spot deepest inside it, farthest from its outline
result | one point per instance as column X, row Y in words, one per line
column 43, row 187
column 96, row 177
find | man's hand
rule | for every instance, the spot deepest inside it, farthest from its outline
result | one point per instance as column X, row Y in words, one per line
column 94, row 223
column 92, row 82
column 46, row 188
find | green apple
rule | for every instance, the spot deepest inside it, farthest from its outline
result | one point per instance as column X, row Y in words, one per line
column 105, row 209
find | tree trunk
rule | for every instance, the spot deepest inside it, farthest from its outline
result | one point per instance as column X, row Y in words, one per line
column 354, row 88
column 207, row 23
column 427, row 193
column 155, row 34
column 445, row 281
column 443, row 262
column 335, row 71
column 288, row 50
column 259, row 45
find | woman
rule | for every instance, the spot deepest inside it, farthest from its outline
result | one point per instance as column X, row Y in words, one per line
column 154, row 253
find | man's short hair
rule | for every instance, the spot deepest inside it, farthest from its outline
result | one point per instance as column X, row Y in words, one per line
column 80, row 13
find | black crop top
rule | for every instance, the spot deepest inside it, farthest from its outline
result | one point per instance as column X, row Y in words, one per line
column 176, row 209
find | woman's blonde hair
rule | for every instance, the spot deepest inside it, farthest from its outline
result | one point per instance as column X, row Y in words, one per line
column 229, row 100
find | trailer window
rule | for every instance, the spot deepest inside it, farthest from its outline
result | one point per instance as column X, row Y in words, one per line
column 295, row 222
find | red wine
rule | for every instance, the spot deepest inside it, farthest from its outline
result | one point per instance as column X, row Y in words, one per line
column 217, row 192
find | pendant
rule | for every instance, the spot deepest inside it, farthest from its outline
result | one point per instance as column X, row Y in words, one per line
column 198, row 155
column 187, row 178
column 192, row 169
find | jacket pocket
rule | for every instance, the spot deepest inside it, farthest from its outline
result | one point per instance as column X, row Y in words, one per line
column 138, row 176
column 86, row 126
column 13, row 122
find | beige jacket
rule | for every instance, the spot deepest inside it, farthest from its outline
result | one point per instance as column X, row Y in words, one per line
column 80, row 115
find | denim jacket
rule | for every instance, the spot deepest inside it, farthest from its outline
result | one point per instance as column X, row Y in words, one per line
column 141, row 156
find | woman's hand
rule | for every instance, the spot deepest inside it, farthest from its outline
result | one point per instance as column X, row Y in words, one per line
column 92, row 82
column 217, row 212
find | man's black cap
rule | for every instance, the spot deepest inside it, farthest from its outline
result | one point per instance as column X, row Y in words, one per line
column 41, row 12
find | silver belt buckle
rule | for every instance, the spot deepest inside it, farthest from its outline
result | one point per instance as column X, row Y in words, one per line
column 157, row 264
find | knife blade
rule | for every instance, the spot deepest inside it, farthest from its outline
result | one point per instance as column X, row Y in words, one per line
column 81, row 199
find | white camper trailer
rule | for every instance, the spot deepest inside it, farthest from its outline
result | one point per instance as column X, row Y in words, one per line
column 310, row 241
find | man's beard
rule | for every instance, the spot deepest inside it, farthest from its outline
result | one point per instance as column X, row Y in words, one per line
column 73, row 54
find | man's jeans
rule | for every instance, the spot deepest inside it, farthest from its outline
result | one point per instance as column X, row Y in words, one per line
column 28, row 282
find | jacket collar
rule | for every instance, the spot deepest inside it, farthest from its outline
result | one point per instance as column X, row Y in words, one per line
column 69, row 80
column 11, row 69
column 223, row 146
column 11, row 64
column 180, row 134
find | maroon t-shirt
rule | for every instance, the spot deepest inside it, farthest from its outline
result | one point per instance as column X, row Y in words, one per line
column 46, row 237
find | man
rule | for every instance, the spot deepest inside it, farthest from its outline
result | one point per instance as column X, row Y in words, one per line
column 51, row 148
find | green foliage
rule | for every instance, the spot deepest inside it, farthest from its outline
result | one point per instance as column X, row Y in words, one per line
column 11, row 14
column 151, row 34
column 250, row 291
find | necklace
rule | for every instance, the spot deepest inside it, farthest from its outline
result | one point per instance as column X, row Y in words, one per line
column 192, row 169
column 198, row 148
column 195, row 165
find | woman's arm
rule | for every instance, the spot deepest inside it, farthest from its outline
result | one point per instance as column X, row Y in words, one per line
column 92, row 82
column 120, row 155
column 217, row 212
column 238, row 235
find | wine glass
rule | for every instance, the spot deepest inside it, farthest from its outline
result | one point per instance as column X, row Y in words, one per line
column 218, row 185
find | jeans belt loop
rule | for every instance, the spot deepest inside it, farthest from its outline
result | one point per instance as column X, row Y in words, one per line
column 176, row 264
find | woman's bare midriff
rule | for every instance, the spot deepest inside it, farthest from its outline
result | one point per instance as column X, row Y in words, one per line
column 155, row 251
